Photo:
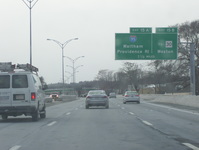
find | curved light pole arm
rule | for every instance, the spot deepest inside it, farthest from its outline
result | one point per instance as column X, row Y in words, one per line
column 60, row 44
column 68, row 41
column 78, row 58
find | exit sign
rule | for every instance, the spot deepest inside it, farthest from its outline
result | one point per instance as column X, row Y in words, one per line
column 142, row 44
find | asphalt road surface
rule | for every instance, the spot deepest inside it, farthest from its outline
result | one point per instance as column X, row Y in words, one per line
column 131, row 126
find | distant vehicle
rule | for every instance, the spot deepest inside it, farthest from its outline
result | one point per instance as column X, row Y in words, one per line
column 21, row 92
column 112, row 95
column 54, row 96
column 131, row 96
column 83, row 95
column 97, row 98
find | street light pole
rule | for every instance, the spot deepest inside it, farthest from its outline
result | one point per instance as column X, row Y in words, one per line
column 30, row 6
column 73, row 66
column 62, row 45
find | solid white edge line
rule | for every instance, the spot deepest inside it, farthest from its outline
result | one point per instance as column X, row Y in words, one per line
column 16, row 147
column 172, row 108
column 52, row 123
column 147, row 123
column 191, row 146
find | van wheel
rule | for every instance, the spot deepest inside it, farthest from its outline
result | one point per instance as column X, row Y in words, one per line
column 4, row 117
column 35, row 115
column 43, row 114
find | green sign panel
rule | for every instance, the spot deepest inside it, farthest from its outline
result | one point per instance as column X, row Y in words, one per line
column 132, row 46
column 165, row 46
column 141, row 30
column 142, row 44
column 167, row 30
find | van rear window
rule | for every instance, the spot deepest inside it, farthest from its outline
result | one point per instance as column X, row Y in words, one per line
column 4, row 81
column 19, row 81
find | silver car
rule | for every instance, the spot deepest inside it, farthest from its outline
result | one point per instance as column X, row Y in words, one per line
column 131, row 96
column 112, row 95
column 97, row 98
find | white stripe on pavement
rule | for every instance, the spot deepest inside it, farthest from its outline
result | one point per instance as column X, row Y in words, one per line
column 15, row 147
column 172, row 108
column 52, row 123
column 147, row 123
column 68, row 113
column 191, row 146
column 131, row 113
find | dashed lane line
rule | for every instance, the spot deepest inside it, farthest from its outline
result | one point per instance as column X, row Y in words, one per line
column 191, row 146
column 68, row 113
column 131, row 113
column 52, row 123
column 16, row 147
column 147, row 123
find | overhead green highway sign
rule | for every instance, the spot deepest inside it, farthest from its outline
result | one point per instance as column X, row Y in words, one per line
column 140, row 30
column 142, row 44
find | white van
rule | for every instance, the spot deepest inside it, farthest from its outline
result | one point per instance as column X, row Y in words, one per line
column 21, row 92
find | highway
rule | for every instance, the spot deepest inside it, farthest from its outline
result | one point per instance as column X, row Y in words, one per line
column 131, row 126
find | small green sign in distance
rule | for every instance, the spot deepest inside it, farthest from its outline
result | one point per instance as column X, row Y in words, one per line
column 173, row 30
column 141, row 30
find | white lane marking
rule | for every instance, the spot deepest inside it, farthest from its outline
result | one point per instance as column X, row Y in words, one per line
column 147, row 123
column 171, row 108
column 131, row 113
column 16, row 147
column 191, row 146
column 68, row 113
column 122, row 108
column 52, row 123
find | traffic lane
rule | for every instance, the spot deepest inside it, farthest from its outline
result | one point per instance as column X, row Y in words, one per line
column 181, row 125
column 17, row 129
column 98, row 128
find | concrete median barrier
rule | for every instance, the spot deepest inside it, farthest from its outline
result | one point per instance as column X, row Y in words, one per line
column 185, row 100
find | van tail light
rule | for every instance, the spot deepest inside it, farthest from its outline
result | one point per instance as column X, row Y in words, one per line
column 33, row 96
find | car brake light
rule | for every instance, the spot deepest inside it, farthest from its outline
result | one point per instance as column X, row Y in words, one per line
column 105, row 96
column 33, row 96
column 126, row 95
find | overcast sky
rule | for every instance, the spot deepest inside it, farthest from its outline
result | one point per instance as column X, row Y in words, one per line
column 94, row 22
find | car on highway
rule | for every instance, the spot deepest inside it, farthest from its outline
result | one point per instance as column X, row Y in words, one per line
column 131, row 96
column 97, row 98
column 54, row 96
column 112, row 95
